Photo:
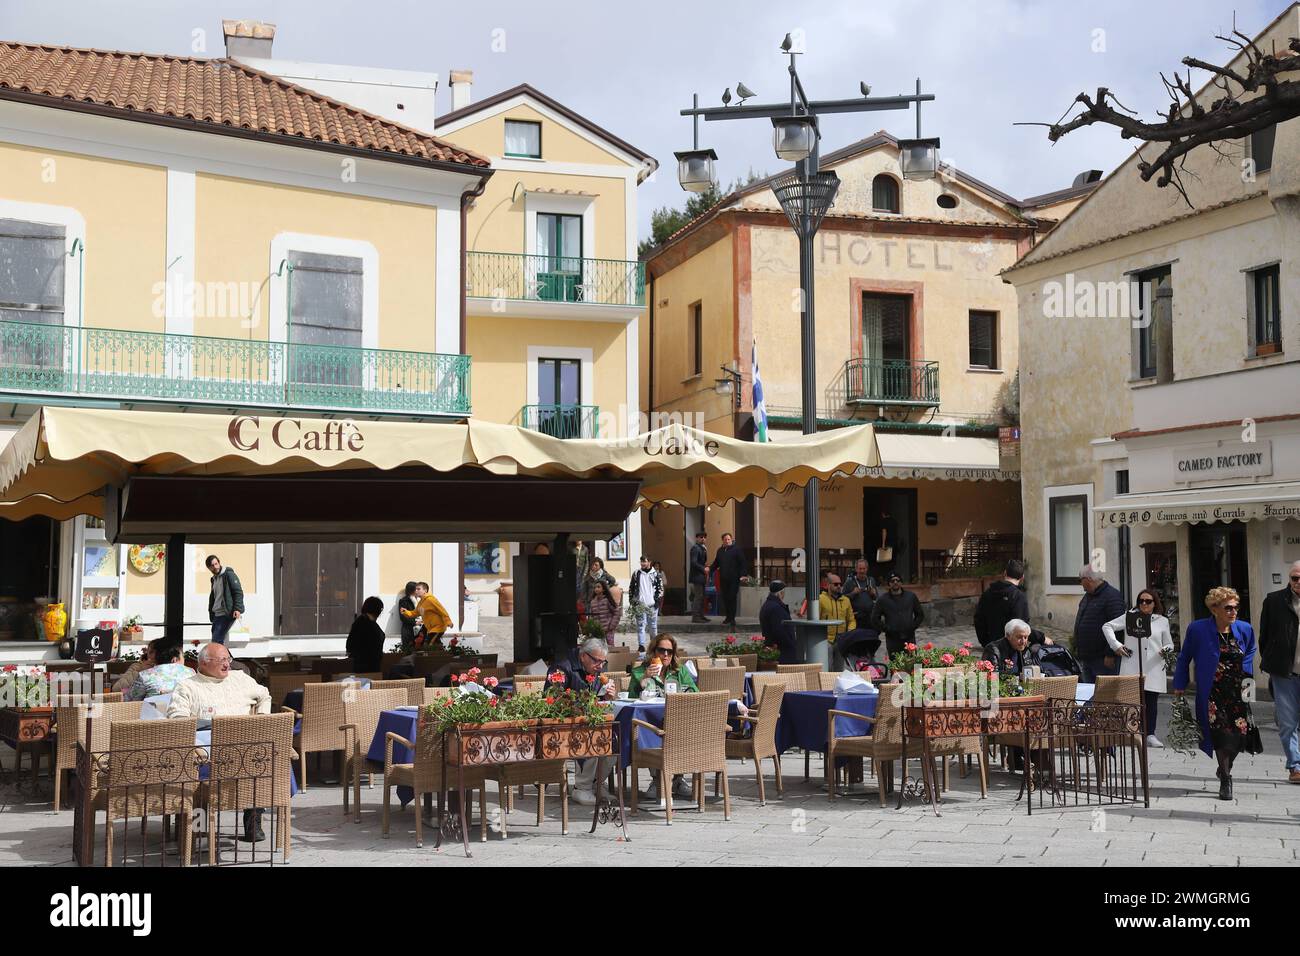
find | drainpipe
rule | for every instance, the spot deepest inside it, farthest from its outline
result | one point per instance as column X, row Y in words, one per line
column 79, row 250
column 651, row 374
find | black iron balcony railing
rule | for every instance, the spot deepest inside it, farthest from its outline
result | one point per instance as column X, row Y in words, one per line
column 891, row 382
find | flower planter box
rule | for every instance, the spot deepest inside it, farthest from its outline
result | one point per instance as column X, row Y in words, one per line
column 959, row 588
column 29, row 725
column 767, row 666
column 560, row 739
column 490, row 744
column 936, row 719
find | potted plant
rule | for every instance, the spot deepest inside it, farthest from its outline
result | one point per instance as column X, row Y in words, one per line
column 26, row 716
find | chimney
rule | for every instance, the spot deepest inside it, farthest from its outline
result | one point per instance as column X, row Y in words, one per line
column 248, row 38
column 460, row 81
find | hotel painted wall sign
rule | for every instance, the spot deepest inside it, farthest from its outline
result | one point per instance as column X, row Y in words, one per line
column 1230, row 461
column 291, row 434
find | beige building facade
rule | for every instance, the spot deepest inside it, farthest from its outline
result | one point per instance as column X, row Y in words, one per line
column 916, row 334
column 1160, row 387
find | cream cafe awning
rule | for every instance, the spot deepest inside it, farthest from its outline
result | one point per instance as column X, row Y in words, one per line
column 67, row 455
column 1265, row 502
column 932, row 457
column 678, row 464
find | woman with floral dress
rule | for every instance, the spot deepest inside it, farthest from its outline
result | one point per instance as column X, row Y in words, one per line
column 1221, row 649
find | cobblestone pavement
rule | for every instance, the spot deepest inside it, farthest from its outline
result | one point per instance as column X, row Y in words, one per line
column 1186, row 825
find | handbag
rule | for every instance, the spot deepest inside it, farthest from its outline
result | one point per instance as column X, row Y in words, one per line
column 884, row 555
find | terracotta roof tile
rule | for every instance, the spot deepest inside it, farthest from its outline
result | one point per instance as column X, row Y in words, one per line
column 214, row 92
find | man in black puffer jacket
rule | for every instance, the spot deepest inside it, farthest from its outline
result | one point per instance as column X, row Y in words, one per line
column 1003, row 601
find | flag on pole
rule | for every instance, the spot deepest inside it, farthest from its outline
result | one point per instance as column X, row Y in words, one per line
column 760, row 406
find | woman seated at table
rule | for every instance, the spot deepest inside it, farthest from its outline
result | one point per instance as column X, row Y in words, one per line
column 366, row 639
column 163, row 677
column 661, row 668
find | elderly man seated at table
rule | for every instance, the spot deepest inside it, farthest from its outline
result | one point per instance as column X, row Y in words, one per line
column 1008, row 654
column 162, row 678
column 584, row 669
column 218, row 691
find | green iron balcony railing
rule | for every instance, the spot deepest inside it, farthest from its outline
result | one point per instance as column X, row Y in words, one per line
column 562, row 421
column 114, row 363
column 504, row 275
column 891, row 382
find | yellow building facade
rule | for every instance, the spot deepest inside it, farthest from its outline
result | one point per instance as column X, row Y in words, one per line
column 385, row 273
column 915, row 333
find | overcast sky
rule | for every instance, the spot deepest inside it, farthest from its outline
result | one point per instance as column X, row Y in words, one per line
column 632, row 67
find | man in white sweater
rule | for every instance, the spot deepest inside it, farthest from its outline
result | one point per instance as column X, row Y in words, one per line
column 218, row 691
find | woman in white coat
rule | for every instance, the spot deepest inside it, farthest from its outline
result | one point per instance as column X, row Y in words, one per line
column 1153, row 665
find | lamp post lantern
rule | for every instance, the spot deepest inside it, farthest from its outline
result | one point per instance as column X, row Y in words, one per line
column 806, row 193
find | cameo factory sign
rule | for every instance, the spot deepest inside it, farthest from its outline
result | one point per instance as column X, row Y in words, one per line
column 1229, row 461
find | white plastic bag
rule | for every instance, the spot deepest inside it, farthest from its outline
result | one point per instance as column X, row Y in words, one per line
column 853, row 683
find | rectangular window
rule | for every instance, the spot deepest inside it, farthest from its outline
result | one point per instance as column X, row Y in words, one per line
column 697, row 339
column 1067, row 538
column 983, row 339
column 523, row 139
column 559, row 392
column 1266, row 321
column 32, row 270
column 325, row 310
column 1261, row 147
column 1155, row 306
column 32, row 266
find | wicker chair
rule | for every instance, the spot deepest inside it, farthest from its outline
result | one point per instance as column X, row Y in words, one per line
column 414, row 688
column 434, row 694
column 761, row 744
column 826, row 679
column 622, row 680
column 145, row 778
column 322, row 716
column 70, row 726
column 1119, row 689
column 694, row 741
column 425, row 776
column 882, row 746
column 810, row 672
column 529, row 683
column 281, row 683
column 748, row 661
column 251, row 768
column 730, row 679
column 763, row 679
column 619, row 661
column 539, row 772
column 360, row 721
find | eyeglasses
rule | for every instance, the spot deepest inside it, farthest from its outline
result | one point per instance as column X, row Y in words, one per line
column 1295, row 577
column 598, row 660
column 1230, row 609
column 664, row 651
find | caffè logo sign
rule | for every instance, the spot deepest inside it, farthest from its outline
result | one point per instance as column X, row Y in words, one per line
column 1230, row 460
column 247, row 432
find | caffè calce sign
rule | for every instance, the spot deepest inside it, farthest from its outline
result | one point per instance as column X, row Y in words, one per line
column 1228, row 461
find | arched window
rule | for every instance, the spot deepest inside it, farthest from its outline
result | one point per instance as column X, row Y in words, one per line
column 884, row 193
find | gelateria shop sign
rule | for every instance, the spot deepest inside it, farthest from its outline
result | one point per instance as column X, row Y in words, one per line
column 1229, row 461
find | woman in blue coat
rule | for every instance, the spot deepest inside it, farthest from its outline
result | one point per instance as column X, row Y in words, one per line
column 1222, row 649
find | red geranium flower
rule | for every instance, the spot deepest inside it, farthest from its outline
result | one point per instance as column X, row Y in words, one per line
column 550, row 700
column 963, row 652
column 492, row 702
column 491, row 681
column 591, row 678
column 455, row 678
column 928, row 646
column 446, row 702
column 453, row 642
column 731, row 638
column 909, row 647
column 967, row 644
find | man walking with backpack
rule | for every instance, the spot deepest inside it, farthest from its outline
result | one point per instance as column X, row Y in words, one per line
column 1002, row 601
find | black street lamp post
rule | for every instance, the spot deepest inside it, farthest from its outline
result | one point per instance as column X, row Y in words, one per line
column 806, row 194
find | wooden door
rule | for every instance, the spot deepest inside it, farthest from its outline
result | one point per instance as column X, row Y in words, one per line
column 318, row 587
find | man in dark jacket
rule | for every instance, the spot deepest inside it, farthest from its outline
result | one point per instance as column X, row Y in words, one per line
column 774, row 621
column 1008, row 653
column 699, row 573
column 1279, row 657
column 897, row 614
column 583, row 669
column 1003, row 601
column 730, row 565
column 226, row 601
column 1101, row 603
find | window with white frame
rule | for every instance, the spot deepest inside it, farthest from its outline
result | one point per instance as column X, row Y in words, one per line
column 32, row 272
column 1068, row 542
column 523, row 139
column 325, row 318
